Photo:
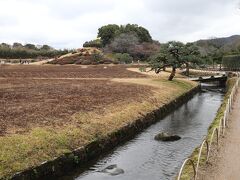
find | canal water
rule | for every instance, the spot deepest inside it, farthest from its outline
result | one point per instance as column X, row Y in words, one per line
column 143, row 158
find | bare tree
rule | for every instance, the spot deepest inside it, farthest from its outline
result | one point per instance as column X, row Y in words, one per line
column 124, row 43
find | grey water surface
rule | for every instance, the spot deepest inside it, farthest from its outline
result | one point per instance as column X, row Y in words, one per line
column 143, row 158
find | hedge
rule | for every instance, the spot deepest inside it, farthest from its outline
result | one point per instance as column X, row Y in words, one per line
column 231, row 62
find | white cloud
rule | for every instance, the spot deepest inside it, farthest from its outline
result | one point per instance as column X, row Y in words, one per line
column 68, row 23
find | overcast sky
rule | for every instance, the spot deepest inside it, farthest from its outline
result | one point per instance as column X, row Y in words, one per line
column 69, row 23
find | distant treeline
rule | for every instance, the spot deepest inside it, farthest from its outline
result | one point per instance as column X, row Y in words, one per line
column 17, row 50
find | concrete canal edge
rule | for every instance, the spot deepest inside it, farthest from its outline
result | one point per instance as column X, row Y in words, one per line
column 80, row 156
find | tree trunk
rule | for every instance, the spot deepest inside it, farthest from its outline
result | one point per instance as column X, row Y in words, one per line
column 187, row 69
column 172, row 73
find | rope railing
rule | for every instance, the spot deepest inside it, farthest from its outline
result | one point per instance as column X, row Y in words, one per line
column 205, row 142
column 183, row 165
column 220, row 130
column 215, row 131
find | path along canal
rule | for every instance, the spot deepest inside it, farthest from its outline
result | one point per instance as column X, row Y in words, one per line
column 143, row 158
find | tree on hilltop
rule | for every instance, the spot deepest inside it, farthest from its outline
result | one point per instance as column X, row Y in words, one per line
column 109, row 32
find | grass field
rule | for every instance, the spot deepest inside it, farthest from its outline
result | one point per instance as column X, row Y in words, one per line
column 49, row 110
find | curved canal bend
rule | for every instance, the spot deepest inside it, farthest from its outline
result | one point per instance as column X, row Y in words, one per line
column 143, row 158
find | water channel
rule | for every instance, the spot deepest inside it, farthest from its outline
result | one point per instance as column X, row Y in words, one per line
column 143, row 158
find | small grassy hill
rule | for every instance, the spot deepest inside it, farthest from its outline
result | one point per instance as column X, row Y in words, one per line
column 84, row 56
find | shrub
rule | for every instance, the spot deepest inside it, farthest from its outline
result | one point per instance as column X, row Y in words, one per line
column 115, row 62
column 142, row 69
column 231, row 62
column 107, row 61
column 93, row 43
column 79, row 61
column 124, row 58
column 86, row 62
column 101, row 61
column 95, row 63
column 96, row 57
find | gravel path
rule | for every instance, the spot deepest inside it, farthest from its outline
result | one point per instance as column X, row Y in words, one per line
column 225, row 165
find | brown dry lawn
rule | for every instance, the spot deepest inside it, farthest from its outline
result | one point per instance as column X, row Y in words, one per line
column 29, row 103
column 46, row 111
column 67, row 71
